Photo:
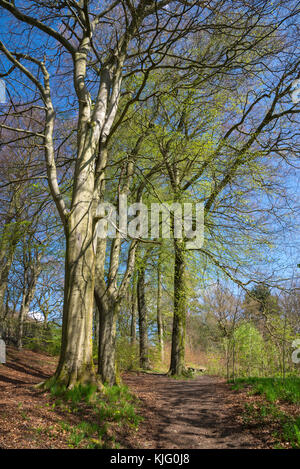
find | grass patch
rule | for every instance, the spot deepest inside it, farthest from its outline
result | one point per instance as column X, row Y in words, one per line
column 285, row 428
column 291, row 432
column 273, row 389
column 118, row 406
column 113, row 406
column 86, row 434
column 75, row 395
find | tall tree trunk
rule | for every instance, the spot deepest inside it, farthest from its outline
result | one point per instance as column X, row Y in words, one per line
column 177, row 366
column 233, row 359
column 159, row 312
column 3, row 283
column 3, row 287
column 76, row 358
column 108, row 310
column 109, row 292
column 9, row 239
column 134, row 311
column 24, row 308
column 31, row 274
column 133, row 321
column 96, row 328
column 143, row 322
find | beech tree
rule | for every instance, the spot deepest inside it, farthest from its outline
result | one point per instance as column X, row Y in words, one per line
column 226, row 155
column 96, row 47
column 31, row 260
column 110, row 288
column 10, row 235
column 159, row 313
column 21, row 201
column 142, row 309
column 92, row 49
column 116, row 260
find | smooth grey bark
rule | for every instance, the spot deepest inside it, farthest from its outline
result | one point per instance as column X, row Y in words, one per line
column 108, row 290
column 32, row 269
column 134, row 314
column 108, row 312
column 76, row 358
column 24, row 309
column 106, row 302
column 10, row 237
column 159, row 310
column 108, row 295
column 5, row 269
column 94, row 124
column 177, row 366
column 143, row 319
column 96, row 328
column 134, row 311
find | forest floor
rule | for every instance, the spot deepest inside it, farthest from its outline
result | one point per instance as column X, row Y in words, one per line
column 198, row 413
column 202, row 412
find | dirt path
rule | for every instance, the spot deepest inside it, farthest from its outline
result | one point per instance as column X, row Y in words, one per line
column 198, row 413
column 190, row 414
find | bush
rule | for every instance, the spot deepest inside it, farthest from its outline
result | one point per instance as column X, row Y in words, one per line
column 44, row 339
column 127, row 354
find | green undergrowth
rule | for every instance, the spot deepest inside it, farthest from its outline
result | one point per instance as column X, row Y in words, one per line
column 273, row 389
column 285, row 428
column 101, row 413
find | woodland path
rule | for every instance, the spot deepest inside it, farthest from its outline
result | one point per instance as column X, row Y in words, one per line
column 186, row 414
column 199, row 413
